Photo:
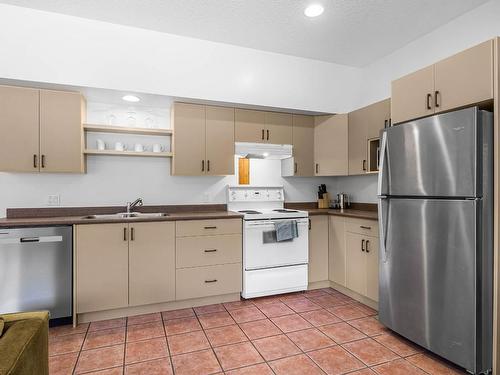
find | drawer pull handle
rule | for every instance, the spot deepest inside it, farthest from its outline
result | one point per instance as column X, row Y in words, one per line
column 210, row 250
column 214, row 227
column 365, row 227
column 211, row 281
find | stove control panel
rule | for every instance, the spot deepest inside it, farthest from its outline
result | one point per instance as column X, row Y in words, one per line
column 255, row 194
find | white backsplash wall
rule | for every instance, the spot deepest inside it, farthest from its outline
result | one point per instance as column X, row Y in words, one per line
column 360, row 188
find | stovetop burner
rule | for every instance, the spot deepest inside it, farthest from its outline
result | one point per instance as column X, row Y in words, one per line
column 250, row 212
column 284, row 210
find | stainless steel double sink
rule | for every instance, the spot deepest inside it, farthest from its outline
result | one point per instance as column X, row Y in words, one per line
column 126, row 215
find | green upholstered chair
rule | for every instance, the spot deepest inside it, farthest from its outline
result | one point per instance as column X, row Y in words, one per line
column 24, row 344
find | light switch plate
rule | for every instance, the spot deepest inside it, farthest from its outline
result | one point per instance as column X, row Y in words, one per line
column 54, row 200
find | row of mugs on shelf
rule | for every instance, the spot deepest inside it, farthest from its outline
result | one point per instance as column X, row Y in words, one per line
column 138, row 147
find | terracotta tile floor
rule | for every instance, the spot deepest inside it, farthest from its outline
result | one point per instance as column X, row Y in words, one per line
column 315, row 332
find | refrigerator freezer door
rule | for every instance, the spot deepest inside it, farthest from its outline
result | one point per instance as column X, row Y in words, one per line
column 428, row 273
column 433, row 157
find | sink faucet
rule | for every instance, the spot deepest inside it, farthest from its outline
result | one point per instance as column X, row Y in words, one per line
column 131, row 205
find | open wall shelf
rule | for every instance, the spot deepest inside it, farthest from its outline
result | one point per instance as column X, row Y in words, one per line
column 95, row 128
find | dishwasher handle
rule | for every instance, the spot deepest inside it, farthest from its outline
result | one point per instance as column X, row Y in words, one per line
column 44, row 239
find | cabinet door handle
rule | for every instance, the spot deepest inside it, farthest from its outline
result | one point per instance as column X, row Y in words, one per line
column 124, row 234
column 211, row 227
column 317, row 168
column 203, row 165
column 43, row 161
column 309, row 224
column 208, row 165
column 262, row 134
column 210, row 250
column 436, row 101
column 35, row 161
column 390, row 122
column 132, row 234
column 268, row 134
column 367, row 242
column 362, row 245
column 364, row 164
column 365, row 227
column 429, row 97
column 295, row 169
column 211, row 281
column 386, row 124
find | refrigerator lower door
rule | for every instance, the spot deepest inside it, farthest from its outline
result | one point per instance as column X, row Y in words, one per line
column 428, row 265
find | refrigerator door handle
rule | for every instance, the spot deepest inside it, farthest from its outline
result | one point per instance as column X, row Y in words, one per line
column 383, row 168
column 383, row 206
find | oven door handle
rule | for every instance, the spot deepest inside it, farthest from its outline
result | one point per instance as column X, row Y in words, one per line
column 266, row 223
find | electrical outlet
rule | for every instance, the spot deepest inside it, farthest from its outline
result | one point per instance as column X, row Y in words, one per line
column 54, row 200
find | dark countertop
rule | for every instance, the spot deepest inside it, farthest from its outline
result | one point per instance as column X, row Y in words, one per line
column 348, row 212
column 71, row 220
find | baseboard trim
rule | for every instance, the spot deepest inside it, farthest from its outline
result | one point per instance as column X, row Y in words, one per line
column 358, row 297
column 158, row 307
column 318, row 285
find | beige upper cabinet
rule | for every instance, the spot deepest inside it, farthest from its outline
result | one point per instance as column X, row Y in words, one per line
column 61, row 117
column 318, row 248
column 151, row 263
column 365, row 124
column 460, row 80
column 189, row 139
column 101, row 267
column 203, row 141
column 279, row 128
column 32, row 124
column 465, row 78
column 250, row 126
column 19, row 129
column 219, row 135
column 412, row 95
column 302, row 162
column 263, row 127
column 331, row 145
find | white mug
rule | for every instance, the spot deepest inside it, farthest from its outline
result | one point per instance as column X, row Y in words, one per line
column 138, row 147
column 101, row 146
column 157, row 147
column 119, row 146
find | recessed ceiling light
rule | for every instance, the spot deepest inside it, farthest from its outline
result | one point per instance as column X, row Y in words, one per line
column 131, row 98
column 265, row 154
column 314, row 10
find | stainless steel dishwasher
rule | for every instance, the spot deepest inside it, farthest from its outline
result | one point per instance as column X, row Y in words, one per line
column 36, row 270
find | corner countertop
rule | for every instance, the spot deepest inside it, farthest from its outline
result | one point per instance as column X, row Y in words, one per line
column 367, row 211
column 79, row 219
column 348, row 212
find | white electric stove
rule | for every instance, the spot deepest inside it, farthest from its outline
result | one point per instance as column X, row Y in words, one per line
column 270, row 267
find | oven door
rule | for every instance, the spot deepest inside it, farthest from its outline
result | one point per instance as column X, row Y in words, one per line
column 259, row 254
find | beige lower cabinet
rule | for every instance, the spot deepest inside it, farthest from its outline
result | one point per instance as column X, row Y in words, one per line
column 101, row 267
column 121, row 265
column 208, row 258
column 337, row 250
column 353, row 249
column 318, row 248
column 208, row 281
column 151, row 263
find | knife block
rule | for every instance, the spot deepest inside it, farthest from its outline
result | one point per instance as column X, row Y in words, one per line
column 325, row 201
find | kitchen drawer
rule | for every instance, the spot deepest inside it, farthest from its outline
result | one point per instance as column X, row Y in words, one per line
column 208, row 281
column 208, row 250
column 366, row 227
column 208, row 227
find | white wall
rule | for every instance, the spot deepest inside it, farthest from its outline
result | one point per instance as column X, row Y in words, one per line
column 48, row 47
column 45, row 47
column 472, row 28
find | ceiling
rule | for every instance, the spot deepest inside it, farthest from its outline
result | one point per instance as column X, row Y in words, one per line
column 350, row 32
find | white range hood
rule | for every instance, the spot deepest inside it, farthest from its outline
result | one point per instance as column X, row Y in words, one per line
column 262, row 150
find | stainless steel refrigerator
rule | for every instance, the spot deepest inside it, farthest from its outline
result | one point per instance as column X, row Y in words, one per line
column 436, row 235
